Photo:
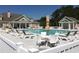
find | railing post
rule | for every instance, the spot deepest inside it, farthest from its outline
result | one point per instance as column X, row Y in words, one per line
column 20, row 44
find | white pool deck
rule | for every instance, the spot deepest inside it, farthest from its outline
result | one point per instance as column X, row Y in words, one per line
column 17, row 39
column 4, row 48
column 27, row 43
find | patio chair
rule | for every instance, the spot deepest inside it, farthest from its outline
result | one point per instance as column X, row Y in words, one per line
column 73, row 36
column 69, row 37
column 24, row 32
column 42, row 42
column 75, row 33
column 53, row 41
column 64, row 36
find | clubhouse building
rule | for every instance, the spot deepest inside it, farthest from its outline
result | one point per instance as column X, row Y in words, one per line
column 16, row 21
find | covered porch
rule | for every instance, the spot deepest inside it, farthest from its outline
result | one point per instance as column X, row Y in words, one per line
column 17, row 24
column 68, row 23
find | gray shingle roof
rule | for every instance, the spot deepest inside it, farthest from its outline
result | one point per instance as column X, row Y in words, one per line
column 13, row 16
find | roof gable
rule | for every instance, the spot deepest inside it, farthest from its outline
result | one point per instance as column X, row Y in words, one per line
column 68, row 19
column 23, row 18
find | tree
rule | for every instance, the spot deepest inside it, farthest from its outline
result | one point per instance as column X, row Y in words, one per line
column 63, row 11
column 58, row 14
column 76, row 12
column 43, row 21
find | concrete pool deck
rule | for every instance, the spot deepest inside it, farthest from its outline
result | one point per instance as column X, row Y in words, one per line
column 27, row 43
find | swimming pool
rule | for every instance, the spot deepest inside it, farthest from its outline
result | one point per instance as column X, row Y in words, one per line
column 49, row 32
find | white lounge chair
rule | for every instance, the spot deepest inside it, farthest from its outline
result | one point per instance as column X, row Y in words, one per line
column 41, row 42
column 53, row 41
column 69, row 36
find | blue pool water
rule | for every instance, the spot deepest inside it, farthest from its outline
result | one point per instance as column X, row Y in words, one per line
column 49, row 32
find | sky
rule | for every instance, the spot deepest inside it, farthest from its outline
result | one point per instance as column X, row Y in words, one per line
column 34, row 11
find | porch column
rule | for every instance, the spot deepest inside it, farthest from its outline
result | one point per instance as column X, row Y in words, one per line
column 69, row 26
column 19, row 25
column 13, row 25
column 59, row 24
column 73, row 25
column 62, row 25
column 25, row 25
